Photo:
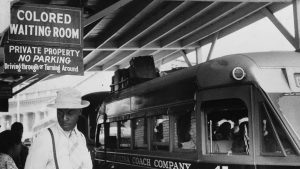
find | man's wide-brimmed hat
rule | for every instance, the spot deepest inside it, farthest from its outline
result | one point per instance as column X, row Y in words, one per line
column 69, row 98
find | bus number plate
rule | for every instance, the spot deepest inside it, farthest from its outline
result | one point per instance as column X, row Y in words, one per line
column 297, row 78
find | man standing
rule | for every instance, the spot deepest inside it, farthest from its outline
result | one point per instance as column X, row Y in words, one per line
column 17, row 130
column 67, row 148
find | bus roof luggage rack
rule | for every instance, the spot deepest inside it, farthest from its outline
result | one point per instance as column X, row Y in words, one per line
column 120, row 79
column 142, row 68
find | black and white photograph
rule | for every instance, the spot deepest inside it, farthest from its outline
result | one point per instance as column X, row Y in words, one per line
column 149, row 84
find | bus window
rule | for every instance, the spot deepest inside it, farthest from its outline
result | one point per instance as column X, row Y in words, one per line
column 161, row 133
column 274, row 139
column 125, row 135
column 140, row 133
column 288, row 105
column 100, row 133
column 185, row 127
column 227, row 126
column 113, row 135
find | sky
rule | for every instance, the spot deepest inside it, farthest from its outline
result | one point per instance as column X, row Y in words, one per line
column 260, row 36
column 4, row 14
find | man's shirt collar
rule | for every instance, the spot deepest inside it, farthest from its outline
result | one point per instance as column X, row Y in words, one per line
column 67, row 133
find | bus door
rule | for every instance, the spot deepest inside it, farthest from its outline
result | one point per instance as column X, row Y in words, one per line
column 226, row 127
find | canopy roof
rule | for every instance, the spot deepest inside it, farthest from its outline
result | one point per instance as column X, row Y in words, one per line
column 117, row 30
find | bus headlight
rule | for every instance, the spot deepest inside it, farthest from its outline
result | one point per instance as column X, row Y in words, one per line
column 238, row 73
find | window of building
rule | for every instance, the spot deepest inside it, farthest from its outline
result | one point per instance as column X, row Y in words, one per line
column 140, row 133
column 125, row 134
column 274, row 138
column 185, row 127
column 227, row 128
column 161, row 132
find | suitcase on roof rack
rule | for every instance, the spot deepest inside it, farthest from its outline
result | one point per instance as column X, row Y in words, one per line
column 142, row 67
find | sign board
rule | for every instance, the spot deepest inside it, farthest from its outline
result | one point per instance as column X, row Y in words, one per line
column 43, row 60
column 44, row 39
column 44, row 24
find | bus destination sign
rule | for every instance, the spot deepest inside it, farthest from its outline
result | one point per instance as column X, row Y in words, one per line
column 52, row 25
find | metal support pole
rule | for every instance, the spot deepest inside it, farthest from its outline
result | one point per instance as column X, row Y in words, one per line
column 186, row 58
column 296, row 10
column 212, row 46
column 18, row 105
column 198, row 55
column 279, row 26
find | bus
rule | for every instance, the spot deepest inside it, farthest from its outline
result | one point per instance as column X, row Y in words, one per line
column 87, row 121
column 237, row 111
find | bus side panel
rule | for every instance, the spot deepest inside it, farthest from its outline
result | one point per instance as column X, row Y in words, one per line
column 134, row 161
column 276, row 167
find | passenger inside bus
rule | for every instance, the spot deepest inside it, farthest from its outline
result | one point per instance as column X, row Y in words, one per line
column 240, row 138
column 223, row 137
column 140, row 133
column 185, row 128
column 269, row 141
column 161, row 133
column 227, row 130
column 190, row 144
column 125, row 134
column 274, row 138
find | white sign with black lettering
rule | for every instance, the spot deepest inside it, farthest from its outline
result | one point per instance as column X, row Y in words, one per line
column 51, row 25
column 43, row 60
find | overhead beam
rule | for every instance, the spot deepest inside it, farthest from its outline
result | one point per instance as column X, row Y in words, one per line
column 213, row 28
column 223, row 23
column 119, row 22
column 122, row 55
column 241, row 24
column 90, row 62
column 137, row 18
column 238, row 0
column 192, row 12
column 146, row 23
column 175, row 55
column 35, row 79
column 89, row 29
column 110, row 32
column 174, row 21
column 25, row 78
column 279, row 26
column 158, row 17
column 200, row 22
column 105, row 12
column 154, row 47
